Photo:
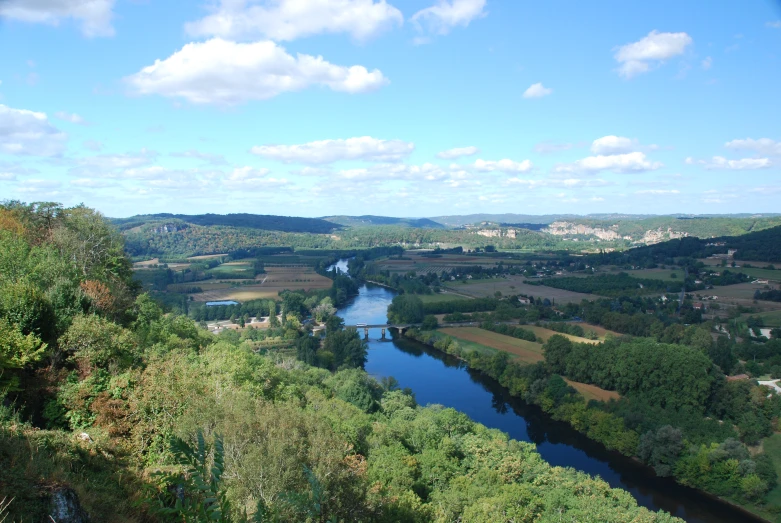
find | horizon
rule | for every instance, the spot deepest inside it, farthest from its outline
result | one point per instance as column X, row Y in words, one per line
column 392, row 108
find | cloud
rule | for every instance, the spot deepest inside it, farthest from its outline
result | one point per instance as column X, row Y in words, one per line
column 213, row 159
column 285, row 20
column 110, row 164
column 634, row 162
column 505, row 165
column 95, row 15
column 552, row 148
column 29, row 133
column 638, row 57
column 37, row 186
column 458, row 152
column 567, row 183
column 93, row 145
column 251, row 178
column 443, row 16
column 762, row 146
column 70, row 117
column 228, row 73
column 707, row 63
column 721, row 163
column 614, row 145
column 329, row 151
column 775, row 25
column 537, row 91
column 10, row 170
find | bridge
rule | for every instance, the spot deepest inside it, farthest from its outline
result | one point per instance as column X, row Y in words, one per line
column 366, row 327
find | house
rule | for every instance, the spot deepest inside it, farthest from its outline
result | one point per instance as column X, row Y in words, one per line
column 760, row 282
column 524, row 301
column 698, row 306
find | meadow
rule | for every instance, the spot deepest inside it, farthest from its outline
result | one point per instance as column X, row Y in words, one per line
column 545, row 334
column 525, row 351
column 514, row 285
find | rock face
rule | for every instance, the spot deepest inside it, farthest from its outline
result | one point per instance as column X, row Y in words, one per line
column 65, row 507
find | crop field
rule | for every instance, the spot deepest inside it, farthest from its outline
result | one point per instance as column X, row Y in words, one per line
column 600, row 331
column 545, row 334
column 267, row 285
column 514, row 285
column 526, row 351
column 658, row 274
column 437, row 298
column 592, row 392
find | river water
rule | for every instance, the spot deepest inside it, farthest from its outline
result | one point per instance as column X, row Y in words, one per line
column 438, row 378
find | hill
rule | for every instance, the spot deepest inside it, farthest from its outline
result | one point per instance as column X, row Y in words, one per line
column 243, row 220
column 369, row 220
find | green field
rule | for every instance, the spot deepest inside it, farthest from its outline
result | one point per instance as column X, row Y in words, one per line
column 772, row 318
column 437, row 298
column 763, row 274
column 525, row 351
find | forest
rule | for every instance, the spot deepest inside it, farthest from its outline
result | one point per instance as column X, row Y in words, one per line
column 130, row 413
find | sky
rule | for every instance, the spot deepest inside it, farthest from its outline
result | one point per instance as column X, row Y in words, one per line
column 392, row 107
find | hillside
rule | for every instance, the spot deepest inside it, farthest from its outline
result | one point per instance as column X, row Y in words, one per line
column 368, row 220
column 243, row 220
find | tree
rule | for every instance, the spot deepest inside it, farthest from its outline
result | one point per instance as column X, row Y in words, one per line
column 661, row 449
column 347, row 348
column 17, row 351
column 429, row 322
column 406, row 308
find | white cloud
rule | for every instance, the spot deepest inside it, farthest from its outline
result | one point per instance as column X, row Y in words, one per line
column 95, row 15
column 443, row 16
column 537, row 91
column 614, row 145
column 213, row 159
column 505, row 165
column 250, row 178
column 9, row 171
column 29, row 133
column 37, row 186
column 775, row 25
column 110, row 165
column 761, row 146
column 566, row 183
column 721, row 163
column 638, row 57
column 707, row 63
column 70, row 117
column 634, row 162
column 458, row 152
column 282, row 20
column 222, row 72
column 329, row 151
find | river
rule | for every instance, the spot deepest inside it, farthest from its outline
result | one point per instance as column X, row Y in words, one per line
column 438, row 378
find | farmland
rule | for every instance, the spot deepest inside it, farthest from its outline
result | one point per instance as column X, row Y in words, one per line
column 514, row 285
column 266, row 285
column 545, row 334
column 592, row 392
column 526, row 351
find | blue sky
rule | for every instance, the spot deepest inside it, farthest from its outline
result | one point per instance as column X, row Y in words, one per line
column 397, row 107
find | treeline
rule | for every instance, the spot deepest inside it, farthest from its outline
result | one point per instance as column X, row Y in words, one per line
column 771, row 295
column 509, row 330
column 621, row 284
column 242, row 220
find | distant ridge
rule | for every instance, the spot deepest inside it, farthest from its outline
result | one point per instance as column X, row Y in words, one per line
column 362, row 221
column 244, row 220
column 459, row 220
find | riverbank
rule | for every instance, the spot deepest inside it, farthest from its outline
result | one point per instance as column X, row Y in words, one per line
column 597, row 425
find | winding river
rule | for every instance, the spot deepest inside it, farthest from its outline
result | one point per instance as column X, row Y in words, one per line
column 438, row 378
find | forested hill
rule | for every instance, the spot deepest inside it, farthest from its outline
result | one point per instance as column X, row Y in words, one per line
column 764, row 245
column 243, row 220
column 368, row 220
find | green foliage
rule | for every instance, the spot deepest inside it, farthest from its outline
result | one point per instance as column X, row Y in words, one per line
column 17, row 351
column 406, row 308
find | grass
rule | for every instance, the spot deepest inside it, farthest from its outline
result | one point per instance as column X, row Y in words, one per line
column 772, row 318
column 592, row 392
column 526, row 351
column 438, row 298
column 658, row 274
column 542, row 332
